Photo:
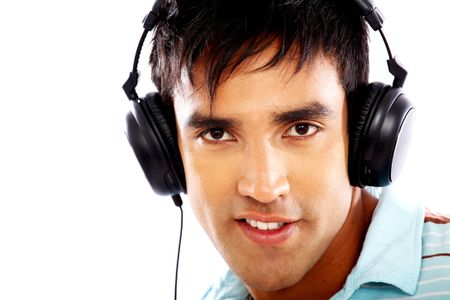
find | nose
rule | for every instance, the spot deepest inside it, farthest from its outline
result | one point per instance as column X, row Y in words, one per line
column 264, row 175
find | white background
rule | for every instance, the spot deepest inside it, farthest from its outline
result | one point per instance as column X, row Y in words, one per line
column 77, row 218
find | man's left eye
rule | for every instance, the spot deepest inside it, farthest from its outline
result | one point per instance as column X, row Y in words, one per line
column 301, row 130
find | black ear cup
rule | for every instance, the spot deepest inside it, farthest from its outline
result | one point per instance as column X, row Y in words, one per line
column 150, row 128
column 380, row 130
column 363, row 108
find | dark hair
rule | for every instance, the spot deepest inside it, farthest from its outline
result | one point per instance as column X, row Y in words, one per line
column 224, row 33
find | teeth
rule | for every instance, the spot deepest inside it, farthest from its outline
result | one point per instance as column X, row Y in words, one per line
column 272, row 226
column 263, row 225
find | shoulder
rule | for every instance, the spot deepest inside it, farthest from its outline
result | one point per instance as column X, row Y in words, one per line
column 435, row 235
column 436, row 218
column 435, row 268
column 428, row 271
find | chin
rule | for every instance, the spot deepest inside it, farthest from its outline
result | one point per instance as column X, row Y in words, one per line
column 271, row 285
column 271, row 281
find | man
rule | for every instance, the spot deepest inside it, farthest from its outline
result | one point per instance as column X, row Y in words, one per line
column 263, row 93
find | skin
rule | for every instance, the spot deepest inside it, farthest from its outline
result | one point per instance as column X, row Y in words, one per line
column 257, row 162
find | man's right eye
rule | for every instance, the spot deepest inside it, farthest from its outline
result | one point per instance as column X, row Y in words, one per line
column 215, row 135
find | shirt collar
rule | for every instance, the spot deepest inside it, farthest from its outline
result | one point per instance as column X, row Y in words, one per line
column 392, row 248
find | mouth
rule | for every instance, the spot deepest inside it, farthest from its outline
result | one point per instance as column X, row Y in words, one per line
column 263, row 225
column 270, row 232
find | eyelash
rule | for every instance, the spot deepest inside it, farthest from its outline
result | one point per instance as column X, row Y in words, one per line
column 211, row 140
column 292, row 127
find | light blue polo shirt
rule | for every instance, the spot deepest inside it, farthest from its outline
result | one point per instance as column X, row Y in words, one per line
column 402, row 257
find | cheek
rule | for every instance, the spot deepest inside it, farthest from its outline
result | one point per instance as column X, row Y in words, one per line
column 322, row 182
column 324, row 164
column 330, row 163
column 207, row 176
column 210, row 187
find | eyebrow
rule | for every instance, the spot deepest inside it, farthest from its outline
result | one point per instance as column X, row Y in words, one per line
column 314, row 110
column 197, row 120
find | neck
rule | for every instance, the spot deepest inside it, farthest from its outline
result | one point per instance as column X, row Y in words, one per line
column 329, row 274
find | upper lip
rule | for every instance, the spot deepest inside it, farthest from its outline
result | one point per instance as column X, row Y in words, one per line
column 267, row 218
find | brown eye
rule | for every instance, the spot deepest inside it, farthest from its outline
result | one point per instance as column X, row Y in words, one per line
column 302, row 130
column 217, row 135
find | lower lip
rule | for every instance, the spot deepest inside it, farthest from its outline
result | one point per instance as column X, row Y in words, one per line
column 267, row 237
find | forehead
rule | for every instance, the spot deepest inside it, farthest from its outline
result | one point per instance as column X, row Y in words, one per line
column 250, row 89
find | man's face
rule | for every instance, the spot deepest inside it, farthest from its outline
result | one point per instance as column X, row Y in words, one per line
column 266, row 166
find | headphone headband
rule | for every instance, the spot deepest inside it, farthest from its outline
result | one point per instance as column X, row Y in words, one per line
column 371, row 13
column 149, row 22
column 366, row 8
column 375, row 19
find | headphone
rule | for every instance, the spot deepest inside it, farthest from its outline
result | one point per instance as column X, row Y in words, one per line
column 382, row 122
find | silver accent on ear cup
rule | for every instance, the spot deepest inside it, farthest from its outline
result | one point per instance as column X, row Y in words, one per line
column 402, row 144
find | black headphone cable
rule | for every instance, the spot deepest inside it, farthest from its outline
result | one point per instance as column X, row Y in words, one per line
column 178, row 202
